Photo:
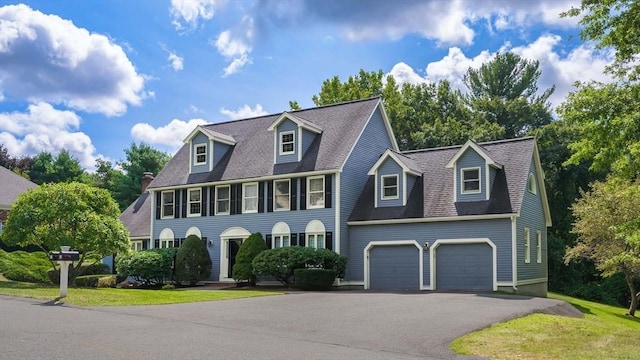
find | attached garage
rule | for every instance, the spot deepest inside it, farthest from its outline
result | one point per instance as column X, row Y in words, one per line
column 394, row 265
column 464, row 266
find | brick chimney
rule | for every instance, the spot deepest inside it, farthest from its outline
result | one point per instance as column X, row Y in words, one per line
column 146, row 180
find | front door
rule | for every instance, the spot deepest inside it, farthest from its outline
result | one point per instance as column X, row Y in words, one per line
column 233, row 247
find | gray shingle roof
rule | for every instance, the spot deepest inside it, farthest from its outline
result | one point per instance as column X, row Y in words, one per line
column 12, row 185
column 137, row 217
column 509, row 187
column 252, row 156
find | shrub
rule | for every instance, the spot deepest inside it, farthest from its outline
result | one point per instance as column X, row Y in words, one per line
column 314, row 279
column 25, row 266
column 107, row 281
column 87, row 280
column 150, row 267
column 193, row 262
column 250, row 248
column 97, row 268
column 281, row 263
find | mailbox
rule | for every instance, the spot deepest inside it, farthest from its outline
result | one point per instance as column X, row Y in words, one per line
column 64, row 256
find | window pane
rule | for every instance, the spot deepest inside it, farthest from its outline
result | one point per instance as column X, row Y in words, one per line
column 286, row 242
column 320, row 241
column 194, row 195
column 316, row 199
column 390, row 181
column 316, row 184
column 251, row 190
column 471, row 174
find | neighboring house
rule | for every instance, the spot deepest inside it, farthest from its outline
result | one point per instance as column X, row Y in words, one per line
column 11, row 186
column 469, row 217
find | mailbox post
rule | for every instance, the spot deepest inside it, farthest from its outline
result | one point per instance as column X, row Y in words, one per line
column 64, row 258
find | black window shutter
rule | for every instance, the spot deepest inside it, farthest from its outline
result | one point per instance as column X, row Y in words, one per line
column 293, row 195
column 327, row 190
column 203, row 198
column 270, row 196
column 232, row 199
column 145, row 244
column 238, row 198
column 301, row 239
column 261, row 197
column 156, row 243
column 303, row 193
column 158, row 204
column 328, row 240
column 212, row 201
column 267, row 240
column 184, row 202
column 176, row 203
column 294, row 239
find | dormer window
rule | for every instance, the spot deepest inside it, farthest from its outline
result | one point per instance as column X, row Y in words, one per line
column 201, row 154
column 287, row 142
column 470, row 180
column 389, row 187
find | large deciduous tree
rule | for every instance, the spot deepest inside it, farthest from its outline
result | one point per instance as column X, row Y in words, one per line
column 63, row 167
column 505, row 91
column 74, row 214
column 608, row 228
column 139, row 159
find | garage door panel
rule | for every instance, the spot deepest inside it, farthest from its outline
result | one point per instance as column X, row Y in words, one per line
column 464, row 267
column 394, row 267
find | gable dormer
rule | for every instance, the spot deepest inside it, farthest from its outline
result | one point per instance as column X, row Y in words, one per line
column 474, row 173
column 292, row 136
column 206, row 148
column 394, row 175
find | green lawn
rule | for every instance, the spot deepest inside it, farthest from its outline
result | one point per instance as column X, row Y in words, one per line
column 603, row 333
column 122, row 297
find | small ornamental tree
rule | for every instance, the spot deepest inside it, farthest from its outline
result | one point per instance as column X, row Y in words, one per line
column 193, row 262
column 150, row 267
column 250, row 248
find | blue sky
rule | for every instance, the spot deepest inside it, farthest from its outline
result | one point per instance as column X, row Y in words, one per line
column 94, row 76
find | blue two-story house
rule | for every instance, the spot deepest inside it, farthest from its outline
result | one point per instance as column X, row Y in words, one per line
column 470, row 217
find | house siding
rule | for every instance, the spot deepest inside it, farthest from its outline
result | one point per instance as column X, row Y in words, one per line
column 219, row 150
column 284, row 126
column 200, row 139
column 471, row 159
column 389, row 167
column 531, row 217
column 307, row 139
column 498, row 231
column 368, row 149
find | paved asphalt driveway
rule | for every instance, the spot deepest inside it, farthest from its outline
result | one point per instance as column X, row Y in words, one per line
column 300, row 325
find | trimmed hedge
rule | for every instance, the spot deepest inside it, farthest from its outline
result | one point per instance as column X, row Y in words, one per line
column 108, row 281
column 86, row 269
column 89, row 281
column 314, row 279
column 25, row 266
column 149, row 267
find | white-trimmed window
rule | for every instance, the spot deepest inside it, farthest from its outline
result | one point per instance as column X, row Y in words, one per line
column 166, row 243
column 538, row 246
column 287, row 142
column 315, row 233
column 532, row 184
column 200, row 154
column 250, row 198
column 389, row 187
column 168, row 202
column 281, row 241
column 136, row 245
column 470, row 180
column 194, row 199
column 222, row 199
column 527, row 246
column 281, row 194
column 280, row 235
column 315, row 192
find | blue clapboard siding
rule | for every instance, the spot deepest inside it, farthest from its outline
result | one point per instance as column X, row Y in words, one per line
column 219, row 150
column 285, row 126
column 532, row 217
column 498, row 231
column 372, row 143
column 307, row 139
column 389, row 167
column 394, row 268
column 200, row 139
column 471, row 159
column 464, row 267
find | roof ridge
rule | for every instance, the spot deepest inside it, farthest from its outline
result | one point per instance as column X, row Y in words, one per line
column 338, row 103
column 492, row 142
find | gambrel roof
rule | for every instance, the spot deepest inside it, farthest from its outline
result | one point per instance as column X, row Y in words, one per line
column 11, row 186
column 252, row 154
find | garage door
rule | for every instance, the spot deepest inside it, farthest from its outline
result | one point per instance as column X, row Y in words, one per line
column 464, row 267
column 394, row 267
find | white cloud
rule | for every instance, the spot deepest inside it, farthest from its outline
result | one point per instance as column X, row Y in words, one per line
column 170, row 136
column 47, row 58
column 234, row 49
column 583, row 63
column 244, row 112
column 176, row 61
column 187, row 13
column 44, row 128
